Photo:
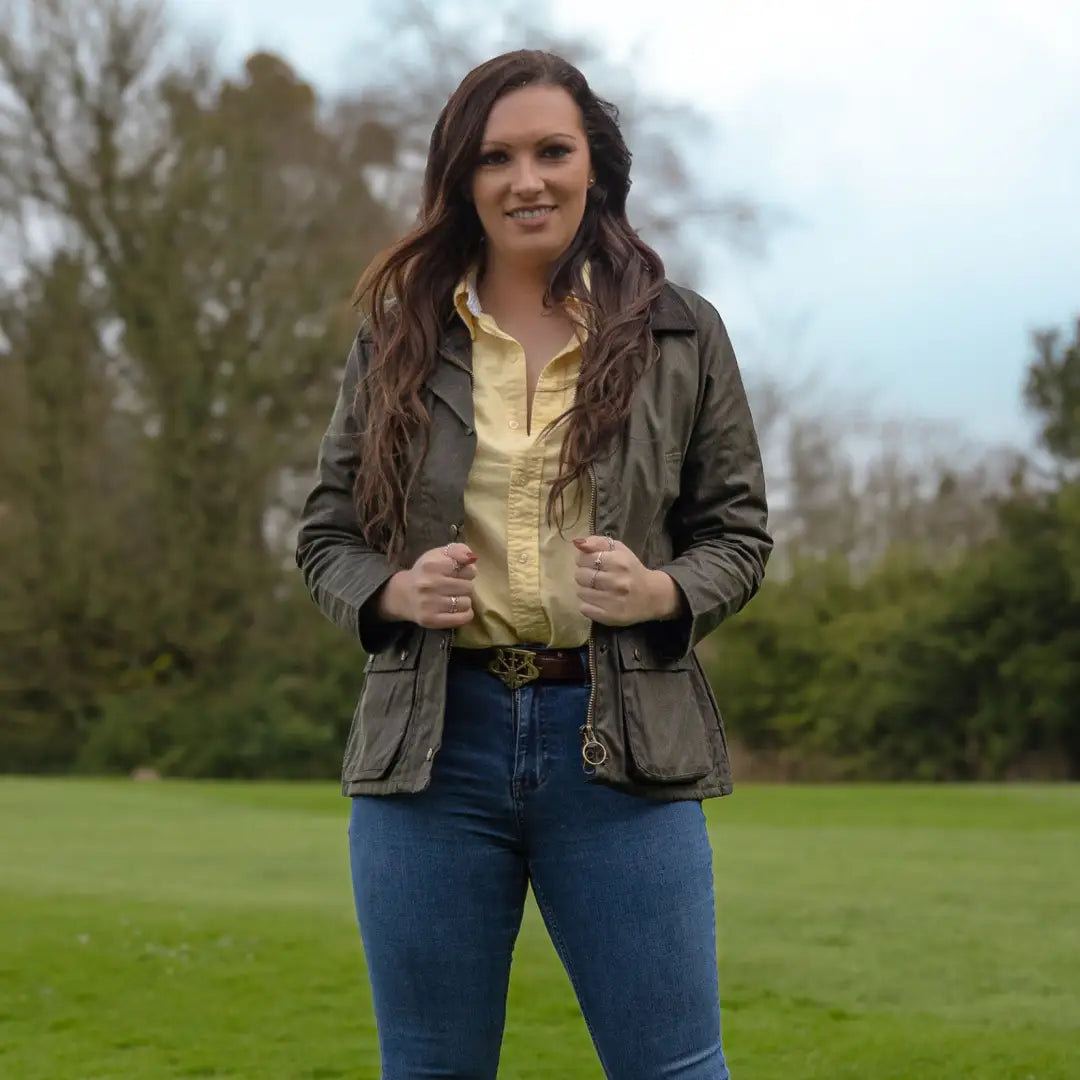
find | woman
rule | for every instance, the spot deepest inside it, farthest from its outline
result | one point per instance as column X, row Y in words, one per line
column 539, row 489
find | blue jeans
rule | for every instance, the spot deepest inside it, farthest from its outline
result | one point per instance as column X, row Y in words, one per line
column 624, row 885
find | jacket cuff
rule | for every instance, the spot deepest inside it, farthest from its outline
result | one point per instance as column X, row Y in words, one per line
column 679, row 635
column 375, row 633
column 673, row 639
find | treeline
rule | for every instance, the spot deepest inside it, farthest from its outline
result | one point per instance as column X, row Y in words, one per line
column 955, row 654
column 170, row 342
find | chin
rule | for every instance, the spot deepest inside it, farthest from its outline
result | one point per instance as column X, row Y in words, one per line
column 539, row 248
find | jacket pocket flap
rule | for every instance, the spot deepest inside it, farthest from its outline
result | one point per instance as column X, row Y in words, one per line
column 402, row 655
column 640, row 652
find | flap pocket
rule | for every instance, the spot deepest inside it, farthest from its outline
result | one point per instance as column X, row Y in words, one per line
column 641, row 652
column 666, row 732
column 402, row 656
column 384, row 710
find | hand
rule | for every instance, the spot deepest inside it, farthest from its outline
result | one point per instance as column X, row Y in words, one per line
column 436, row 593
column 614, row 588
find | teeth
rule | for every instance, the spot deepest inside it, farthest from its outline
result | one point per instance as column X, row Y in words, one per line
column 531, row 213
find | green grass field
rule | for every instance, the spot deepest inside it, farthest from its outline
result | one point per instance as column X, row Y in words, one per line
column 205, row 930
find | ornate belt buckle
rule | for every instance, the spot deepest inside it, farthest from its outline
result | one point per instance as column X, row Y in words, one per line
column 515, row 667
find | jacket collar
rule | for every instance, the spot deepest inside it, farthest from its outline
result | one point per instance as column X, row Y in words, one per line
column 670, row 315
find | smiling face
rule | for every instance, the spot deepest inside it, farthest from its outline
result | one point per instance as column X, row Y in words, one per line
column 532, row 176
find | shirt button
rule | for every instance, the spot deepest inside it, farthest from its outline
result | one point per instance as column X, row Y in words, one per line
column 514, row 425
column 523, row 557
column 454, row 531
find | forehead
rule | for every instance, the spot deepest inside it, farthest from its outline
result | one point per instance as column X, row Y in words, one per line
column 533, row 113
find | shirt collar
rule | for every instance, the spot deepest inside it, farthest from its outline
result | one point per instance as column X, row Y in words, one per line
column 467, row 299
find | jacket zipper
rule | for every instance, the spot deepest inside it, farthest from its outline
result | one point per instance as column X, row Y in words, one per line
column 593, row 751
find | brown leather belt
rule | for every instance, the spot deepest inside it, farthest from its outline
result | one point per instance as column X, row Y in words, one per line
column 518, row 667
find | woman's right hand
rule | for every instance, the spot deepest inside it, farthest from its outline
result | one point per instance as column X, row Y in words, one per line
column 436, row 593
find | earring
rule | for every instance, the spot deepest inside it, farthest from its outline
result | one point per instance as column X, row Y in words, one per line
column 592, row 180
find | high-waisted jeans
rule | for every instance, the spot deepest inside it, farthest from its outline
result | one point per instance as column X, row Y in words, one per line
column 624, row 885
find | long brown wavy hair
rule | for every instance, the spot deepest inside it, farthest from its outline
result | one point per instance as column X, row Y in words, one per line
column 408, row 293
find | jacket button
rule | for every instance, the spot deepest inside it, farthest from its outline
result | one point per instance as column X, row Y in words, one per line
column 454, row 531
column 404, row 655
column 637, row 654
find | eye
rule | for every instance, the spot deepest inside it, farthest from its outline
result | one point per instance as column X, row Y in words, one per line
column 556, row 150
column 492, row 157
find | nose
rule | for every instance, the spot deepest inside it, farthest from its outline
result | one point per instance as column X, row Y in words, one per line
column 526, row 182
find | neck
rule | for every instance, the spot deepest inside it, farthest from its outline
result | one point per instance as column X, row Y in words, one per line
column 504, row 284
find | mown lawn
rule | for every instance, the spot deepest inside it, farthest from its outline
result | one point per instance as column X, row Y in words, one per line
column 205, row 930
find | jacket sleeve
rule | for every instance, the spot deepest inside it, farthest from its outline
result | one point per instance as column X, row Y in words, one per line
column 719, row 521
column 343, row 574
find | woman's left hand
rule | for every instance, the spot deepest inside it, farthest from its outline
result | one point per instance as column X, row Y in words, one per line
column 614, row 587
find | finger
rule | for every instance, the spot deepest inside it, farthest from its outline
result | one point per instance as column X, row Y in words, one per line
column 589, row 576
column 461, row 553
column 446, row 621
column 593, row 544
column 597, row 615
column 455, row 567
column 609, row 560
column 466, row 572
column 592, row 598
column 455, row 605
column 453, row 586
column 449, row 557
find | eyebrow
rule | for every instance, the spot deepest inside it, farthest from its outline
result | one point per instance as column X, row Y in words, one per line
column 543, row 138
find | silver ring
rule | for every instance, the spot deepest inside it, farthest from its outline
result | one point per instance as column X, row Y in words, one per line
column 610, row 543
column 592, row 584
column 453, row 605
column 599, row 564
column 454, row 563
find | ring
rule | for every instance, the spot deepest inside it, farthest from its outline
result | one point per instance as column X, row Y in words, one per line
column 456, row 565
column 610, row 543
column 599, row 564
column 592, row 584
column 453, row 605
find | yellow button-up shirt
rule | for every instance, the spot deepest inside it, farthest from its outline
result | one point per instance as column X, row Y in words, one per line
column 524, row 591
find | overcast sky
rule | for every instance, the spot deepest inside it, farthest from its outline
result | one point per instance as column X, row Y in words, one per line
column 928, row 154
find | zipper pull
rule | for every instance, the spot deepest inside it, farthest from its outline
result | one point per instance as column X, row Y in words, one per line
column 593, row 751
